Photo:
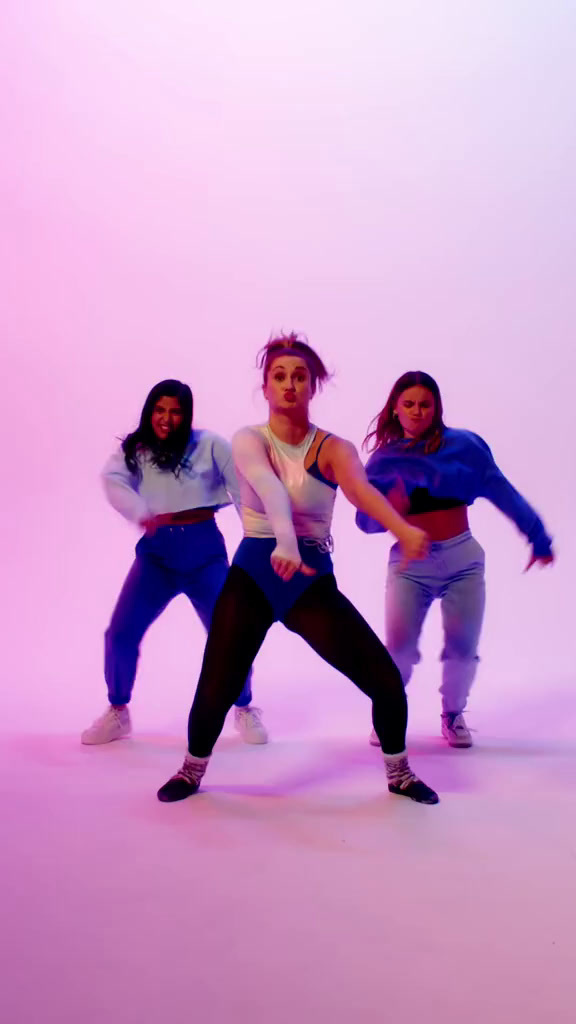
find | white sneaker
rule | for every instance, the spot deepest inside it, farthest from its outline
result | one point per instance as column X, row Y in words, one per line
column 114, row 724
column 248, row 722
column 374, row 741
column 455, row 730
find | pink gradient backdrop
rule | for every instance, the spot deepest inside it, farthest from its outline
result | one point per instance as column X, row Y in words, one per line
column 178, row 180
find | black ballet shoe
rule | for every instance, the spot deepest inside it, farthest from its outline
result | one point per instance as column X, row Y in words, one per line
column 177, row 788
column 416, row 790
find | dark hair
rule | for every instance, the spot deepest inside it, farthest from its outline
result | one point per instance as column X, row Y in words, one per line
column 168, row 454
column 387, row 427
column 293, row 345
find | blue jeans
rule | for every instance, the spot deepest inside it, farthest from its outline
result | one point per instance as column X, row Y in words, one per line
column 189, row 559
column 453, row 572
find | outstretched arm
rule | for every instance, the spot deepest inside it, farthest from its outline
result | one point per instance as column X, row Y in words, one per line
column 251, row 459
column 497, row 489
column 350, row 475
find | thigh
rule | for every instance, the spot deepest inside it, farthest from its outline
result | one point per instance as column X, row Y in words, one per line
column 336, row 630
column 241, row 618
column 463, row 603
column 204, row 586
column 146, row 592
column 407, row 602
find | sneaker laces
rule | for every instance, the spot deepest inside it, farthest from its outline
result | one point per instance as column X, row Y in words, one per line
column 111, row 712
column 250, row 714
column 456, row 722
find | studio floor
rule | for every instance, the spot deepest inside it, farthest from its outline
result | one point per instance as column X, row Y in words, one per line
column 293, row 888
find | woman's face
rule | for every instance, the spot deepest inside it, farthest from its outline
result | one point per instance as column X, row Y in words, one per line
column 288, row 385
column 166, row 416
column 415, row 410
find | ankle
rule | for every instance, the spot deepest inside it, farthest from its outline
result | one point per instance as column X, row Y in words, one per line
column 398, row 770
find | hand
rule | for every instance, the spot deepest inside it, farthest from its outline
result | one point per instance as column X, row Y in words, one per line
column 542, row 560
column 149, row 526
column 286, row 564
column 415, row 544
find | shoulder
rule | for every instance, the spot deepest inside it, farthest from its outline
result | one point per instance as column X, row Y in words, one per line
column 465, row 439
column 333, row 445
column 208, row 439
column 250, row 439
column 251, row 433
column 201, row 438
column 337, row 452
column 381, row 460
column 208, row 444
column 117, row 460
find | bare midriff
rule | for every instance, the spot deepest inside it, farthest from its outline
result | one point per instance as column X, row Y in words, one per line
column 185, row 517
column 442, row 524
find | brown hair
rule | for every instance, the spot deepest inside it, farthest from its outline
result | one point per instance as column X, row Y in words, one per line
column 388, row 429
column 293, row 345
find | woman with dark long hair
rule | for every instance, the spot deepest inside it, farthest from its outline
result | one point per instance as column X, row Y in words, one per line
column 431, row 473
column 289, row 471
column 169, row 479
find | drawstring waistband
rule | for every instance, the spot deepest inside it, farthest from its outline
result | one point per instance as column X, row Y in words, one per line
column 326, row 546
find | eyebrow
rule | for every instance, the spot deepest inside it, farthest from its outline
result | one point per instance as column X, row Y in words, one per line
column 280, row 366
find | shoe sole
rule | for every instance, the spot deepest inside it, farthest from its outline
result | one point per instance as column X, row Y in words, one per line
column 252, row 742
column 430, row 802
column 102, row 743
column 460, row 745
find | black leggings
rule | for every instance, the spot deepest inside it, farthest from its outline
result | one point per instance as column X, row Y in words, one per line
column 327, row 621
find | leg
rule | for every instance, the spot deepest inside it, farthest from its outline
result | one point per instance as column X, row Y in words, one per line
column 463, row 604
column 338, row 633
column 145, row 594
column 203, row 589
column 240, row 621
column 407, row 603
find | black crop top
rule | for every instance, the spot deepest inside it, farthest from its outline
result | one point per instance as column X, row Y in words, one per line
column 422, row 501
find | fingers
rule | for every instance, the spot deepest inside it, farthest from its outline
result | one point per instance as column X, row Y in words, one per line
column 306, row 570
column 542, row 561
column 286, row 569
column 413, row 552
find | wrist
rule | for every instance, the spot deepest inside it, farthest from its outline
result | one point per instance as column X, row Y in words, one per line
column 400, row 528
column 288, row 540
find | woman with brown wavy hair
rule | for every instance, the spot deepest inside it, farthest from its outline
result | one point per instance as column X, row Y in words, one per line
column 430, row 473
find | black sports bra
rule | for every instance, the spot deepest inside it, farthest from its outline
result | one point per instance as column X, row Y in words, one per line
column 422, row 501
column 315, row 471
